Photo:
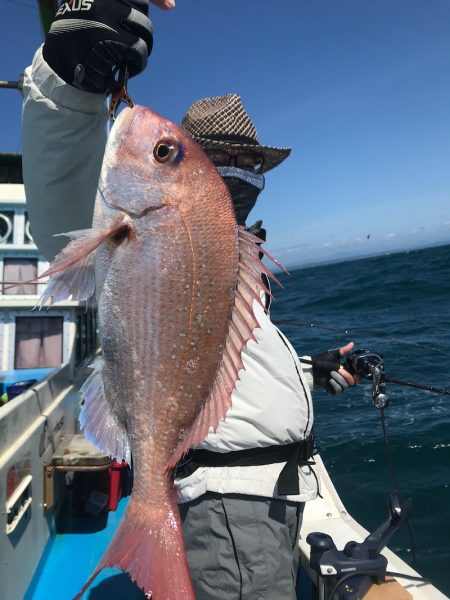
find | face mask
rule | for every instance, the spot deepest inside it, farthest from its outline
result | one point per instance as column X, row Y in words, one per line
column 244, row 188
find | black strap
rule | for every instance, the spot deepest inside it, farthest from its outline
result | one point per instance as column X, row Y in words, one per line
column 288, row 483
column 294, row 455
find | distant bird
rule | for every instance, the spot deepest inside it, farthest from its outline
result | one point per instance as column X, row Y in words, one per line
column 368, row 236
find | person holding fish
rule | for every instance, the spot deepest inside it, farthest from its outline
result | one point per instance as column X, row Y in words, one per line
column 195, row 382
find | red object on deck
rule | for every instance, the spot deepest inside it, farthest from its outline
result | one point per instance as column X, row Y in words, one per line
column 115, row 484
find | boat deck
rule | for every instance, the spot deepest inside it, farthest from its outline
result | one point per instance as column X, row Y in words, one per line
column 71, row 557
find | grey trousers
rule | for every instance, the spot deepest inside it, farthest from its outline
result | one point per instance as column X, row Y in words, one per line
column 242, row 547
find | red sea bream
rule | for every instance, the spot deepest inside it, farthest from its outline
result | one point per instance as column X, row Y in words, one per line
column 174, row 279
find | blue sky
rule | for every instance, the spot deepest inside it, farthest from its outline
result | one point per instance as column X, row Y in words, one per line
column 360, row 89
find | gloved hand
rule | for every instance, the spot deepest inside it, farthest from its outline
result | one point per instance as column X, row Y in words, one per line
column 88, row 38
column 328, row 372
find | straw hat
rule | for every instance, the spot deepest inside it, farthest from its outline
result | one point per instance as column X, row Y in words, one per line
column 221, row 123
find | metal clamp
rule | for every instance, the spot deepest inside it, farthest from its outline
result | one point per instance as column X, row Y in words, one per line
column 379, row 398
column 358, row 558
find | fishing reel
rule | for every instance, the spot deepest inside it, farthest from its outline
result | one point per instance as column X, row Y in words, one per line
column 369, row 365
column 363, row 362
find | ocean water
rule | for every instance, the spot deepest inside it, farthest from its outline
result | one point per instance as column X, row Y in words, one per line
column 399, row 306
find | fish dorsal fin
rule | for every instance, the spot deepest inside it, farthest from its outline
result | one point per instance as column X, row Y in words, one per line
column 250, row 288
column 72, row 271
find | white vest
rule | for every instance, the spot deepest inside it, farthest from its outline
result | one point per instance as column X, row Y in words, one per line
column 270, row 406
column 272, row 400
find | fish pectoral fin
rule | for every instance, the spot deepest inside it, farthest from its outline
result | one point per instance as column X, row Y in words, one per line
column 99, row 423
column 72, row 271
column 250, row 289
column 77, row 283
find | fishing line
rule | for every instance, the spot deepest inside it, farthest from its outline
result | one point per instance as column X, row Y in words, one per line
column 370, row 365
column 361, row 332
column 394, row 479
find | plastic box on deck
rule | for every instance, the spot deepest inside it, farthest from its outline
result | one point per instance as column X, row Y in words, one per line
column 116, row 484
column 17, row 388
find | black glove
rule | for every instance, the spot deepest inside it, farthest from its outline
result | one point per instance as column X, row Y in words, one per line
column 325, row 368
column 88, row 38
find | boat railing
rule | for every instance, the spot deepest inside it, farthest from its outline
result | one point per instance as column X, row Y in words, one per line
column 23, row 411
column 31, row 426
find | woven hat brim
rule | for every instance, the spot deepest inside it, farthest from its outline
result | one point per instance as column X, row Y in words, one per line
column 272, row 156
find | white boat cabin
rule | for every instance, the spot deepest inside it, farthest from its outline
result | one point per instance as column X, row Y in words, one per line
column 32, row 342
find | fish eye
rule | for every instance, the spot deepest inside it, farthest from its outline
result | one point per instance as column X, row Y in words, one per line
column 165, row 151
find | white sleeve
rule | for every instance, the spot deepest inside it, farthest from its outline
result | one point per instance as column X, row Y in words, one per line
column 63, row 137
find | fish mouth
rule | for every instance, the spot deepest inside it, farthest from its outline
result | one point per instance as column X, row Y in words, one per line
column 127, row 116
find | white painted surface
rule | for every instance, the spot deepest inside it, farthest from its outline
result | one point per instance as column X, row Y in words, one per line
column 13, row 193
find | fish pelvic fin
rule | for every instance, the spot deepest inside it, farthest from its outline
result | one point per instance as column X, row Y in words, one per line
column 72, row 271
column 250, row 288
column 99, row 423
column 149, row 546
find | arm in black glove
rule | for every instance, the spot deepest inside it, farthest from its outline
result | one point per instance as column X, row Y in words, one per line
column 89, row 38
column 328, row 372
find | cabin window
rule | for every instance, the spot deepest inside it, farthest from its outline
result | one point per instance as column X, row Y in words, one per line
column 19, row 269
column 86, row 336
column 39, row 342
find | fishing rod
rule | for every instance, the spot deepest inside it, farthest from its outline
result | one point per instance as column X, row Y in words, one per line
column 12, row 85
column 420, row 386
column 47, row 12
column 361, row 362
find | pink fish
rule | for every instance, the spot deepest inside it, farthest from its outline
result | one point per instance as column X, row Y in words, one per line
column 174, row 279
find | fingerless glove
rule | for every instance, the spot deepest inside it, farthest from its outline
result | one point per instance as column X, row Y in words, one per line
column 89, row 38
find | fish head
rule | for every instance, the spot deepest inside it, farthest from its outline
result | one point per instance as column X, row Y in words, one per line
column 151, row 163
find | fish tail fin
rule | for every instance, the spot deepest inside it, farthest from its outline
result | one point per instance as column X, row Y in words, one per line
column 150, row 548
